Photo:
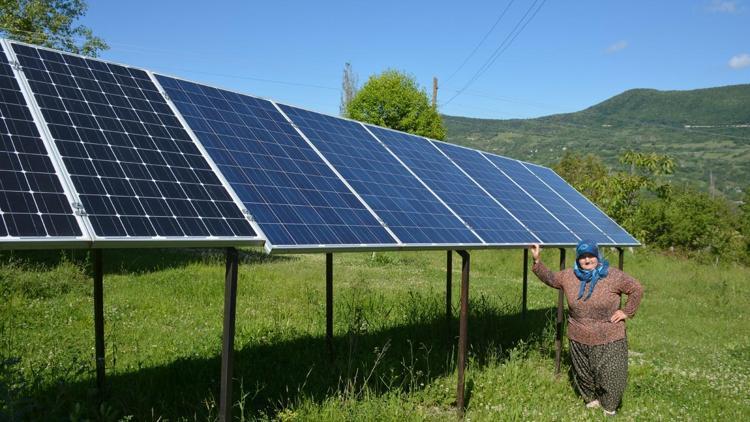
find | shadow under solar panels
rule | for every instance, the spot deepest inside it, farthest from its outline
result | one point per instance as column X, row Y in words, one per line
column 33, row 203
column 522, row 205
column 297, row 200
column 481, row 212
column 136, row 171
column 582, row 204
column 409, row 209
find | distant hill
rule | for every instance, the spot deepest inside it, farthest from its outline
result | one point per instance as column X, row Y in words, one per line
column 706, row 130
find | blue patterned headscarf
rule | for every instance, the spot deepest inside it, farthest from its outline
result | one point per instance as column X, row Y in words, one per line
column 589, row 276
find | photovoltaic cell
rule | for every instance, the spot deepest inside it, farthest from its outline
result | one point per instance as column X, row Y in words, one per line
column 290, row 191
column 470, row 202
column 582, row 204
column 515, row 200
column 409, row 209
column 548, row 198
column 136, row 170
column 32, row 200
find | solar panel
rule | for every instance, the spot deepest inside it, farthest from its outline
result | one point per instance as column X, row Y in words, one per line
column 409, row 209
column 582, row 227
column 137, row 172
column 486, row 216
column 582, row 204
column 516, row 200
column 291, row 192
column 33, row 203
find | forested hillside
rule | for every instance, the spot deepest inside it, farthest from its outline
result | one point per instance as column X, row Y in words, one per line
column 707, row 131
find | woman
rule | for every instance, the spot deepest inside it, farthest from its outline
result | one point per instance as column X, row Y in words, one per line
column 596, row 324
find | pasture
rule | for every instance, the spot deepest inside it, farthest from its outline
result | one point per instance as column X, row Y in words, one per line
column 395, row 351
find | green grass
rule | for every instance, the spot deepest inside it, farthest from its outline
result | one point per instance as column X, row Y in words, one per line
column 395, row 352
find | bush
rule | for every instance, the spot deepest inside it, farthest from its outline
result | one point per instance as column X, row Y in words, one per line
column 690, row 221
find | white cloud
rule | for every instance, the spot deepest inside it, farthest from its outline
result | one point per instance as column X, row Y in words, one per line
column 739, row 61
column 724, row 6
column 619, row 45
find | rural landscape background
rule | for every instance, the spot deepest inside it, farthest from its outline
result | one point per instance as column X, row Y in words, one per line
column 671, row 165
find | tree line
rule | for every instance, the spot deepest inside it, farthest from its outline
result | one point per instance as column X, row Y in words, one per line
column 679, row 219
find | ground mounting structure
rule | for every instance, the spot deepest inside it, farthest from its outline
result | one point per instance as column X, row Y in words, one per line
column 101, row 155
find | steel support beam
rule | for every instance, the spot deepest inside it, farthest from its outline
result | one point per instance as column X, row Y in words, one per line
column 463, row 329
column 559, row 322
column 448, row 285
column 99, row 319
column 524, row 293
column 227, row 350
column 329, row 304
column 620, row 258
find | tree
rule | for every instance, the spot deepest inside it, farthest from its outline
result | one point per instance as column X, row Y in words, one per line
column 49, row 23
column 394, row 99
column 617, row 193
column 349, row 84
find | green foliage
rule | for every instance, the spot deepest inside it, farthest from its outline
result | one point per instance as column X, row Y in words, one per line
column 393, row 99
column 743, row 222
column 618, row 193
column 705, row 131
column 690, row 221
column 49, row 23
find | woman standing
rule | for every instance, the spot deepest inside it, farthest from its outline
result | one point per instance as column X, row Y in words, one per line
column 596, row 324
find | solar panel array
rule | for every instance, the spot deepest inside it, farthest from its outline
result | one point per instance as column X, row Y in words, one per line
column 115, row 154
column 135, row 169
column 33, row 203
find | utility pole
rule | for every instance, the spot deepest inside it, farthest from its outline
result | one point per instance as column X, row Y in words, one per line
column 434, row 92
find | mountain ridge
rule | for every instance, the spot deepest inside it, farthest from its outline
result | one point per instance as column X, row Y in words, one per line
column 706, row 130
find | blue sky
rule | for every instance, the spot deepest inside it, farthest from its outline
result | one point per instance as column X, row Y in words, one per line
column 571, row 55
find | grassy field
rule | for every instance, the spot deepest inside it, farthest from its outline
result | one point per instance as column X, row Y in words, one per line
column 395, row 351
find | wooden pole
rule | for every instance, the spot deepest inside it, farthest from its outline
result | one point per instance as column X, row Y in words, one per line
column 227, row 351
column 559, row 322
column 329, row 304
column 525, row 282
column 448, row 285
column 99, row 319
column 463, row 329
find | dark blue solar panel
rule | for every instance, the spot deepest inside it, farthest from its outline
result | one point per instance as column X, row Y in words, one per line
column 493, row 223
column 136, row 170
column 294, row 196
column 582, row 204
column 32, row 199
column 518, row 202
column 407, row 207
column 549, row 199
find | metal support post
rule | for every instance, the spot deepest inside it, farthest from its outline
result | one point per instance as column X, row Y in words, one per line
column 448, row 285
column 463, row 329
column 227, row 351
column 99, row 319
column 559, row 322
column 329, row 304
column 620, row 258
column 525, row 282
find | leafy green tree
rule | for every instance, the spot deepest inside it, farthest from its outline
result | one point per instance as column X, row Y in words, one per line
column 691, row 221
column 394, row 99
column 618, row 193
column 49, row 23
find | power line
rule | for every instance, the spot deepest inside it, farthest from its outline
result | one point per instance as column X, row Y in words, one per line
column 480, row 42
column 512, row 35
